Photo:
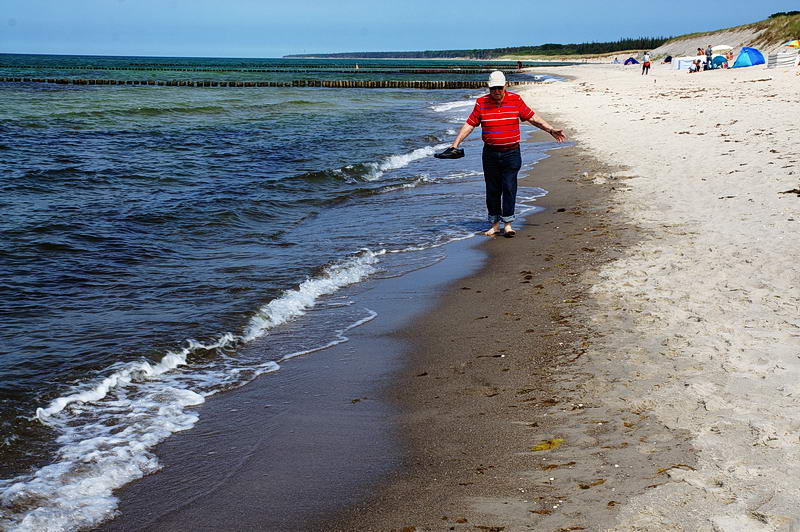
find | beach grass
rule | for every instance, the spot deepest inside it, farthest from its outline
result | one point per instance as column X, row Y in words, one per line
column 771, row 31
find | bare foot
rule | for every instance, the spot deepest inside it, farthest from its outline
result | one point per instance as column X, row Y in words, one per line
column 495, row 230
column 509, row 232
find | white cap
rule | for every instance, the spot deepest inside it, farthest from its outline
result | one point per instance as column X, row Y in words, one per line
column 497, row 79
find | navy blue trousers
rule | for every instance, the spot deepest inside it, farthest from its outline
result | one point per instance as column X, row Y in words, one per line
column 500, row 169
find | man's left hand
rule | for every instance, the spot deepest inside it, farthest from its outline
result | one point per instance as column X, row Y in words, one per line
column 558, row 134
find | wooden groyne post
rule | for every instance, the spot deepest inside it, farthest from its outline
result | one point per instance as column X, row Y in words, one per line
column 337, row 84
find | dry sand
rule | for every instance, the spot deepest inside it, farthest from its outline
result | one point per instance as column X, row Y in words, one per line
column 658, row 334
column 700, row 321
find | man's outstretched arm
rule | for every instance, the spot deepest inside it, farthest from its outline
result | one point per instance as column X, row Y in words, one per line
column 466, row 129
column 542, row 124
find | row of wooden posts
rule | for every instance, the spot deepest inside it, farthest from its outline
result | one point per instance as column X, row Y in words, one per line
column 439, row 64
column 292, row 70
column 184, row 66
column 360, row 84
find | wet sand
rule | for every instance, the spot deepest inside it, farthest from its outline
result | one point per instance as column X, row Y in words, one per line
column 292, row 447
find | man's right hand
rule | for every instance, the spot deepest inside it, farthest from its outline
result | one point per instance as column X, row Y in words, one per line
column 450, row 153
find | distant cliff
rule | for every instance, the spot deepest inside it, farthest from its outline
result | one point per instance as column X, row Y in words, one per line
column 766, row 35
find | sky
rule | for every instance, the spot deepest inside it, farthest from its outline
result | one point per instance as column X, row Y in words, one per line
column 270, row 28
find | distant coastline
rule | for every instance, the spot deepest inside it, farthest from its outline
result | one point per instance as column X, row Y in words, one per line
column 388, row 58
column 483, row 54
column 554, row 61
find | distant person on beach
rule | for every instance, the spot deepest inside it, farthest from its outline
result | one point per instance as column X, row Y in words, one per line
column 499, row 114
column 646, row 64
column 709, row 54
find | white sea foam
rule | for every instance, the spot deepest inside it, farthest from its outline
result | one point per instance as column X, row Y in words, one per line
column 107, row 428
column 340, row 337
column 128, row 374
column 455, row 237
column 94, row 458
column 449, row 106
column 412, row 184
column 465, row 173
column 294, row 303
column 394, row 162
column 532, row 194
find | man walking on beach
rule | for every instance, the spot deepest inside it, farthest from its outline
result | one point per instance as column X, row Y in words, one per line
column 499, row 114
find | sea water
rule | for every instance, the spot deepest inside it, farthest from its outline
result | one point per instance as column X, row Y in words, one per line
column 162, row 244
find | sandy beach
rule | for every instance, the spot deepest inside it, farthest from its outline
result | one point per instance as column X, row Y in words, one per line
column 699, row 319
column 664, row 367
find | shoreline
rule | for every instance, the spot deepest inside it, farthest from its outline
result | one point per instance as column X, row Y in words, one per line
column 291, row 447
column 500, row 378
column 227, row 494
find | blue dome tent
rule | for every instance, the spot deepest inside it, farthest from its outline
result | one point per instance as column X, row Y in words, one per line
column 718, row 61
column 632, row 61
column 749, row 57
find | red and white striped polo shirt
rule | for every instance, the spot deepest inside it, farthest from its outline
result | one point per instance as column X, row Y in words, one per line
column 500, row 121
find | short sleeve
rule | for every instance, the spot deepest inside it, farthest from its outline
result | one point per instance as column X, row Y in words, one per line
column 525, row 112
column 475, row 116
